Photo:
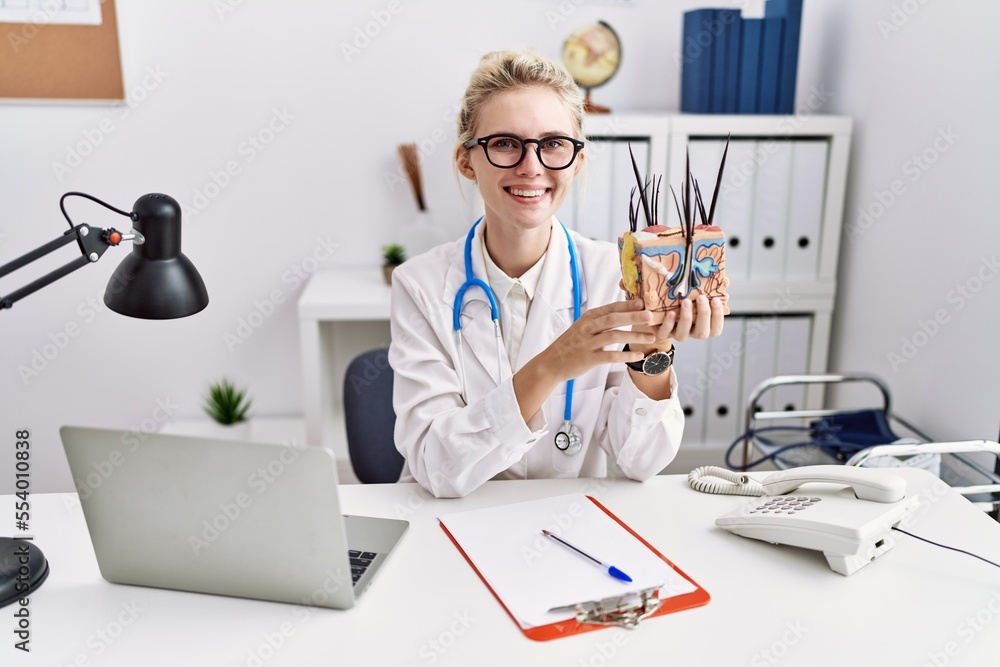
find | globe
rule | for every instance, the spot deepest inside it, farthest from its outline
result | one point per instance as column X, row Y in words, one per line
column 592, row 55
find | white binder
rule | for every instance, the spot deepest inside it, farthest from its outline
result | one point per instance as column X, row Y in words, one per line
column 724, row 368
column 734, row 209
column 706, row 154
column 805, row 208
column 792, row 359
column 623, row 180
column 770, row 211
column 593, row 191
column 692, row 388
column 760, row 340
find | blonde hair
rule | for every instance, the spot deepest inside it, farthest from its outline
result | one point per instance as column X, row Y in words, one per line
column 500, row 71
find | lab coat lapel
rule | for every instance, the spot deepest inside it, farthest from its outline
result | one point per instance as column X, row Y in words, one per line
column 478, row 337
column 551, row 310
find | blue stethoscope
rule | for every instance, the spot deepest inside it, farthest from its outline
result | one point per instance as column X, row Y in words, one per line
column 569, row 439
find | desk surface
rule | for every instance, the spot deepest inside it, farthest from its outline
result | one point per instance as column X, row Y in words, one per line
column 770, row 605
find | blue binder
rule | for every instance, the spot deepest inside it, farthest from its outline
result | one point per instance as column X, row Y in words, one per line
column 770, row 64
column 696, row 61
column 746, row 99
column 732, row 30
column 791, row 11
column 727, row 25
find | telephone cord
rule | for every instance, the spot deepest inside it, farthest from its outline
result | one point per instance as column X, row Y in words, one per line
column 713, row 479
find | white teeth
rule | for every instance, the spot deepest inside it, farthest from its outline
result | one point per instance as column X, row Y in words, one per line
column 527, row 193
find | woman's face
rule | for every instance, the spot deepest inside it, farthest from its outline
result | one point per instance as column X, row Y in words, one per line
column 527, row 196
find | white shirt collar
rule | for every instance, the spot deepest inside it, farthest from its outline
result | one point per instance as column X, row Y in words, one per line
column 501, row 283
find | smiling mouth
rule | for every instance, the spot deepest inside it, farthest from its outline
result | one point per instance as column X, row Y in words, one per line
column 527, row 194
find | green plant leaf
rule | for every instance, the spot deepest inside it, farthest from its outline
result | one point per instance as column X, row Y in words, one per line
column 393, row 254
column 226, row 403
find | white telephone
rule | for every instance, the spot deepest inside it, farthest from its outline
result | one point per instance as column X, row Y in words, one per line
column 850, row 523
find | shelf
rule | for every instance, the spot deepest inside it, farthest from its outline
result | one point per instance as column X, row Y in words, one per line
column 347, row 294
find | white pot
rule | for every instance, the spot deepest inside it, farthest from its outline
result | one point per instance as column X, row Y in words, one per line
column 209, row 428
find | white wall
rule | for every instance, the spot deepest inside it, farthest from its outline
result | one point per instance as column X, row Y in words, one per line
column 203, row 80
column 919, row 300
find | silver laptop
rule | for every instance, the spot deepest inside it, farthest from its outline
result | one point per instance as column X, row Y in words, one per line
column 227, row 517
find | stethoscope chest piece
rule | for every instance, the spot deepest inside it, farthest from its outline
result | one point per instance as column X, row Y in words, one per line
column 569, row 440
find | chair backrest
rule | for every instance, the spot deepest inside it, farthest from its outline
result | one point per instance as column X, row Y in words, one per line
column 370, row 418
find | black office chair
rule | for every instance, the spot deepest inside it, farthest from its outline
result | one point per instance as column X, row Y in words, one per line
column 370, row 418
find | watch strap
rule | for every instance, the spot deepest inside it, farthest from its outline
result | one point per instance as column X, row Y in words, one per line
column 634, row 365
column 638, row 365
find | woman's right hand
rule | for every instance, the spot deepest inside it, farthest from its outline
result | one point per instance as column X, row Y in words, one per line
column 581, row 346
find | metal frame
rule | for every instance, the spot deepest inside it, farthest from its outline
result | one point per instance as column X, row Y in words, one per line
column 959, row 450
column 753, row 415
column 956, row 448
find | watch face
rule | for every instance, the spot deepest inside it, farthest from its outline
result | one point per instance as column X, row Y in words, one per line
column 656, row 363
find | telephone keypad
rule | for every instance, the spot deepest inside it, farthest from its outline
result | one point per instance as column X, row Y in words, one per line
column 786, row 504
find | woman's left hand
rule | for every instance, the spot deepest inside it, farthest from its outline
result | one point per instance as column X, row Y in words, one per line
column 701, row 320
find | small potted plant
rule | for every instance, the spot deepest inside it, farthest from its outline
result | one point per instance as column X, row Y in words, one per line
column 229, row 408
column 392, row 256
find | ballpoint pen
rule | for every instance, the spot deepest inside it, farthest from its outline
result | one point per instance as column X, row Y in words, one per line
column 611, row 569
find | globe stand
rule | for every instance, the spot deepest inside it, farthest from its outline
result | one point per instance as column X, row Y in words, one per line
column 590, row 107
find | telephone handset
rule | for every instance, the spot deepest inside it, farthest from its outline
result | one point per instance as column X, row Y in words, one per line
column 851, row 523
column 875, row 485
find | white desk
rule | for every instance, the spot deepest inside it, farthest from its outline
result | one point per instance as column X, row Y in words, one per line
column 770, row 605
column 330, row 300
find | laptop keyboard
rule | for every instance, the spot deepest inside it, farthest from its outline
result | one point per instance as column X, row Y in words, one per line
column 360, row 560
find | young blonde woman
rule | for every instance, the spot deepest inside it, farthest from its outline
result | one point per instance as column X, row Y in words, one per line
column 507, row 344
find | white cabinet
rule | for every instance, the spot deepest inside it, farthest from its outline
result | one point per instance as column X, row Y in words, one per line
column 781, row 206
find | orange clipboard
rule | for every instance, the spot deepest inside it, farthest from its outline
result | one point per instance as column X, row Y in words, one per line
column 696, row 598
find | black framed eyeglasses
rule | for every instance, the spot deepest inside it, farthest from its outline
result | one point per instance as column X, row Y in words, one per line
column 506, row 151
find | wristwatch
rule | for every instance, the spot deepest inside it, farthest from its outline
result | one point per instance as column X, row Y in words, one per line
column 654, row 364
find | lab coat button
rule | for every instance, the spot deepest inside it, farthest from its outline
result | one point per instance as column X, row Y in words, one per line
column 641, row 412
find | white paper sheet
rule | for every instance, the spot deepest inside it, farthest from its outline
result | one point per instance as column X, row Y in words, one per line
column 51, row 12
column 532, row 574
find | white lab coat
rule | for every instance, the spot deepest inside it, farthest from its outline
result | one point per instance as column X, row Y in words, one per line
column 452, row 447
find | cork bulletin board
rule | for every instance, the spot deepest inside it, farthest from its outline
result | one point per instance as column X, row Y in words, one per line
column 44, row 61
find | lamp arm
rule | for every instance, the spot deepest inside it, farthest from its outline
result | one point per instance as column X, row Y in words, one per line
column 93, row 242
column 41, row 251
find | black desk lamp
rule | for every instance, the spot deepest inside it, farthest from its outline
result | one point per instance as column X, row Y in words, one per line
column 155, row 282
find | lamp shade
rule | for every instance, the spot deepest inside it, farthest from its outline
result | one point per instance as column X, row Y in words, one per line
column 156, row 281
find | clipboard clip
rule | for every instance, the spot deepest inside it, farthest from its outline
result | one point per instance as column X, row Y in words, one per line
column 625, row 611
